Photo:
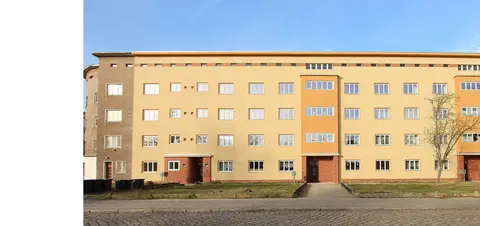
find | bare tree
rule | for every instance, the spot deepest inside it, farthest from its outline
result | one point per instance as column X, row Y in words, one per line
column 446, row 127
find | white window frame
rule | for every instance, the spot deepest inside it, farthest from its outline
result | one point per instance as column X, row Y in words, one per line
column 352, row 88
column 411, row 139
column 256, row 88
column 110, row 113
column 118, row 141
column 282, row 112
column 319, row 111
column 439, row 88
column 226, row 88
column 464, row 67
column 318, row 66
column 225, row 140
column 150, row 114
column 446, row 165
column 286, row 166
column 221, row 166
column 411, row 114
column 286, row 88
column 202, row 87
column 256, row 140
column 352, row 139
column 384, row 161
column 286, row 140
column 173, row 165
column 319, row 137
column 226, row 114
column 175, row 113
column 174, row 139
column 151, row 89
column 151, row 165
column 319, row 85
column 441, row 114
column 121, row 167
column 175, row 87
column 470, row 111
column 355, row 112
column 382, row 113
column 256, row 166
column 352, row 162
column 114, row 89
column 412, row 165
column 149, row 141
column 410, row 88
column 473, row 85
column 202, row 112
column 385, row 140
column 471, row 137
column 202, row 139
column 381, row 88
column 256, row 114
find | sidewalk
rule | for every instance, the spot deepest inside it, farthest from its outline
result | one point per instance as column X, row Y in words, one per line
column 271, row 204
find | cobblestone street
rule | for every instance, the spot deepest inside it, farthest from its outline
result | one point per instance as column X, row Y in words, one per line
column 291, row 217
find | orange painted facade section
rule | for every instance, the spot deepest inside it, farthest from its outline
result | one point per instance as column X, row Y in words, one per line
column 467, row 98
column 320, row 124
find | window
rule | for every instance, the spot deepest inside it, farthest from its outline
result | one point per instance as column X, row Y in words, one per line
column 263, row 64
column 471, row 111
column 256, row 114
column 95, row 97
column 255, row 88
column 285, row 165
column 358, row 65
column 95, row 121
column 402, row 65
column 202, row 113
column 470, row 85
column 112, row 141
column 150, row 115
column 293, row 64
column 173, row 165
column 469, row 67
column 151, row 89
column 202, row 139
column 352, row 165
column 352, row 139
column 225, row 114
column 286, row 140
column 248, row 64
column 417, row 65
column 352, row 88
column 202, row 87
column 114, row 89
column 175, row 113
column 431, row 65
column 113, row 115
column 255, row 166
column 319, row 85
column 471, row 137
column 128, row 65
column 311, row 66
column 319, row 111
column 319, row 137
column 382, row 139
column 382, row 165
column 203, row 64
column 233, row 64
column 149, row 167
column 285, row 88
column 439, row 88
column 158, row 65
column 255, row 140
column 94, row 144
column 173, row 65
column 410, row 114
column 388, row 65
column 113, row 65
column 150, row 141
column 145, row 65
column 344, row 64
column 382, row 113
column 412, row 165
column 225, row 140
column 373, row 65
column 188, row 65
column 175, row 87
column 352, row 113
column 225, row 166
column 410, row 88
column 225, row 88
column 218, row 64
column 441, row 114
column 412, row 139
column 445, row 165
column 445, row 65
column 381, row 88
column 441, row 139
column 121, row 167
column 174, row 139
column 286, row 113
column 278, row 64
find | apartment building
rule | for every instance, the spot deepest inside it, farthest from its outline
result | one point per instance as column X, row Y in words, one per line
column 275, row 116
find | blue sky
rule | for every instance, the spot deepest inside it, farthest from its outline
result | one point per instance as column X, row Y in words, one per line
column 313, row 25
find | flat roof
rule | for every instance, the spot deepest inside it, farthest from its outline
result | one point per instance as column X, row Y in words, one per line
column 284, row 54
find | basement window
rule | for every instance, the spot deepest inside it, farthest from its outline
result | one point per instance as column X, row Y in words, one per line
column 188, row 65
column 158, row 65
column 143, row 65
column 128, row 65
column 113, row 65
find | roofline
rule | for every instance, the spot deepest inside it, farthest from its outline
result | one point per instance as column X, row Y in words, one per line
column 285, row 54
column 88, row 68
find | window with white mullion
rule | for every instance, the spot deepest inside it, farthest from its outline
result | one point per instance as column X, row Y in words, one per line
column 285, row 88
column 470, row 85
column 150, row 115
column 319, row 111
column 412, row 139
column 352, row 165
column 151, row 89
column 173, row 165
column 255, row 140
column 319, row 137
column 112, row 141
column 175, row 87
column 202, row 87
column 256, row 114
column 225, row 166
column 225, row 114
column 286, row 113
column 175, row 113
column 412, row 165
column 174, row 139
column 226, row 88
column 410, row 113
column 352, row 88
column 113, row 115
column 255, row 166
column 381, row 88
column 286, row 140
column 445, row 165
column 382, row 165
column 471, row 137
column 256, row 88
column 148, row 167
column 150, row 141
column 285, row 165
column 319, row 85
column 352, row 139
column 114, row 89
column 382, row 113
column 202, row 139
column 471, row 111
column 410, row 88
column 352, row 113
column 439, row 88
column 202, row 113
column 382, row 139
column 225, row 140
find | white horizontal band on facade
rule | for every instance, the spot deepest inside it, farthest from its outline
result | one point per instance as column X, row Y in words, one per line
column 321, row 154
column 468, row 153
column 187, row 155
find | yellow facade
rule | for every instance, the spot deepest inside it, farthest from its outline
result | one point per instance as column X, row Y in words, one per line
column 189, row 100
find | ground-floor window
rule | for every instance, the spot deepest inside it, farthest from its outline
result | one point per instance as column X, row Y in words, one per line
column 149, row 167
column 285, row 165
column 255, row 166
column 412, row 164
column 351, row 165
column 173, row 165
column 382, row 165
column 445, row 165
column 225, row 166
column 121, row 166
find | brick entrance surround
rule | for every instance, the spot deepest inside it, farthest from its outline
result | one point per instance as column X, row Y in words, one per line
column 187, row 173
column 328, row 168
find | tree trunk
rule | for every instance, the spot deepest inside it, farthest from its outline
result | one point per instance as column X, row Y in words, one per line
column 439, row 174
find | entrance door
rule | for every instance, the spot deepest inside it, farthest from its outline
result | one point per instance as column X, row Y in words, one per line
column 313, row 171
column 472, row 165
column 199, row 171
column 108, row 170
